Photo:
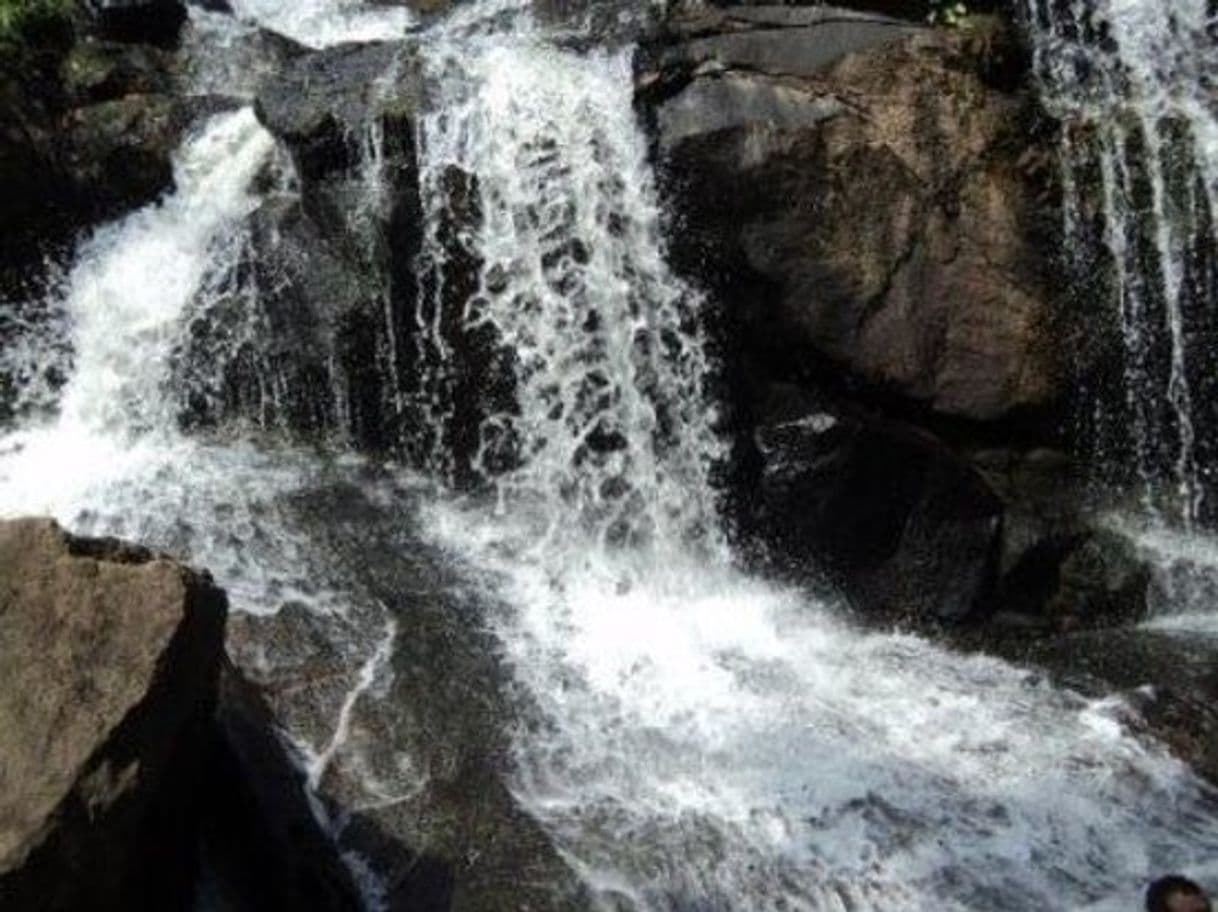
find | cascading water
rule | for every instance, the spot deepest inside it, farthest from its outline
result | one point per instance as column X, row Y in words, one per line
column 1133, row 85
column 711, row 743
column 607, row 419
column 697, row 739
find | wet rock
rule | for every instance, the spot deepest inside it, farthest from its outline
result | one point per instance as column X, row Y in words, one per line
column 118, row 154
column 323, row 103
column 1093, row 578
column 310, row 330
column 252, row 57
column 402, row 710
column 109, row 657
column 96, row 71
column 874, row 202
column 1169, row 678
column 905, row 527
column 910, row 10
column 300, row 336
column 88, row 128
column 261, row 843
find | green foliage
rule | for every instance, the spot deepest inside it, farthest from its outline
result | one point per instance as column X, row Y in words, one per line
column 947, row 12
column 23, row 22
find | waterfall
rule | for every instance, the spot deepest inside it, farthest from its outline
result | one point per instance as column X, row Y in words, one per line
column 694, row 738
column 705, row 740
column 1132, row 82
column 595, row 399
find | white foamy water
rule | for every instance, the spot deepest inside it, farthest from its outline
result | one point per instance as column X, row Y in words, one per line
column 322, row 23
column 111, row 460
column 609, row 421
column 702, row 740
column 712, row 742
column 708, row 741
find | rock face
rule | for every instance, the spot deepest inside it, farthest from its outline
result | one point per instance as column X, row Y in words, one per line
column 873, row 202
column 906, row 529
column 867, row 196
column 109, row 657
column 88, row 127
column 311, row 335
column 416, row 769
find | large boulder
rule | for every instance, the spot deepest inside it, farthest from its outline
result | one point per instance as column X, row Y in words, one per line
column 905, row 528
column 310, row 331
column 874, row 201
column 109, row 657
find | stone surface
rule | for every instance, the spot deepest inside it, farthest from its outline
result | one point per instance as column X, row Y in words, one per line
column 868, row 199
column 109, row 657
column 402, row 708
column 906, row 528
column 88, row 128
column 261, row 844
column 321, row 104
column 314, row 334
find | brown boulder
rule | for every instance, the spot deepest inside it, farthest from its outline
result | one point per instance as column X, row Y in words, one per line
column 109, row 657
column 870, row 196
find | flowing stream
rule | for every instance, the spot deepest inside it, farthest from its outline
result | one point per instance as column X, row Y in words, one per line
column 708, row 741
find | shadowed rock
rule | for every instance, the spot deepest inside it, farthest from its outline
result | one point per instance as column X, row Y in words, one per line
column 109, row 657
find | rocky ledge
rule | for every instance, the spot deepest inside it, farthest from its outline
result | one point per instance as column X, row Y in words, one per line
column 109, row 660
column 137, row 769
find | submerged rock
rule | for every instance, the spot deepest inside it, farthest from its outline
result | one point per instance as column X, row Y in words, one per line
column 109, row 657
column 1168, row 679
column 403, row 711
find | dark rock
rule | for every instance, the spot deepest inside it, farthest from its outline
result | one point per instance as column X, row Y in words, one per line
column 890, row 220
column 157, row 22
column 301, row 336
column 262, row 845
column 906, row 528
column 910, row 10
column 109, row 657
column 118, row 154
column 311, row 329
column 324, row 101
column 212, row 6
column 97, row 71
column 252, row 58
column 87, row 132
column 1094, row 578
column 403, row 709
